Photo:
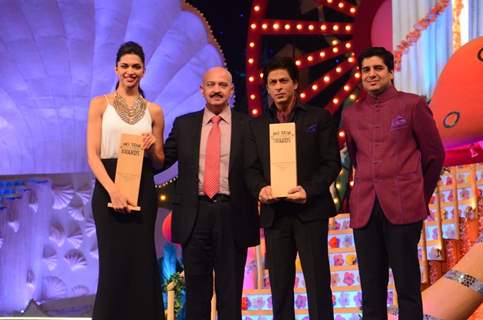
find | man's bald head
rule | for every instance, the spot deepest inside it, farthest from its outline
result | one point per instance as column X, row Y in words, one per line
column 217, row 88
column 218, row 71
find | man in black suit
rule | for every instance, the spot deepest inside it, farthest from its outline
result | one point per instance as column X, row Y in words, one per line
column 214, row 217
column 298, row 222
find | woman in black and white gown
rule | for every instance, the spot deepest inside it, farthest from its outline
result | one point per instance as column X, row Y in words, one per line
column 129, row 282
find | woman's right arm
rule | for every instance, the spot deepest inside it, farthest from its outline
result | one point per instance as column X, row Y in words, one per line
column 93, row 144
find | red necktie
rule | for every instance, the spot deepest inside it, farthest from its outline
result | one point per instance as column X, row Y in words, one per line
column 211, row 183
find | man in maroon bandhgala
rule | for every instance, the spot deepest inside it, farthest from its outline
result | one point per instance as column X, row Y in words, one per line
column 398, row 156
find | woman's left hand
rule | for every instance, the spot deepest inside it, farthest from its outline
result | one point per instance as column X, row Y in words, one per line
column 148, row 140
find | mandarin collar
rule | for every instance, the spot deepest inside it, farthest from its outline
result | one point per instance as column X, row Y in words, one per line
column 388, row 94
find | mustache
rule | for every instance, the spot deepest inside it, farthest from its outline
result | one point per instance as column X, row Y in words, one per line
column 216, row 94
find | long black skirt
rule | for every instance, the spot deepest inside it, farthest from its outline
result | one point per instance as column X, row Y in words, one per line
column 129, row 285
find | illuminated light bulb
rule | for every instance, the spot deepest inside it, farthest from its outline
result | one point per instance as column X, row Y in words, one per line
column 347, row 87
column 299, row 27
column 337, row 185
column 353, row 10
column 251, row 44
column 298, row 63
column 322, row 54
column 357, row 75
column 261, row 75
column 252, row 96
column 315, row 87
column 251, row 79
column 352, row 97
column 323, row 27
column 351, row 59
column 253, row 26
column 351, row 183
column 330, row 1
column 348, row 45
column 250, row 61
column 342, row 134
column 326, row 79
column 335, row 100
column 334, row 42
column 256, row 8
column 338, row 69
column 264, row 26
column 254, row 112
column 341, row 5
column 276, row 26
column 335, row 27
column 336, row 201
column 348, row 28
column 335, row 50
column 303, row 95
column 287, row 27
column 310, row 58
column 311, row 27
column 162, row 197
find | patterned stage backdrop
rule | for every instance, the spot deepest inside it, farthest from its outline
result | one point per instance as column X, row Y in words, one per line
column 56, row 55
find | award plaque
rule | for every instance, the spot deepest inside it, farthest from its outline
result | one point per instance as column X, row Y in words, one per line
column 283, row 158
column 129, row 167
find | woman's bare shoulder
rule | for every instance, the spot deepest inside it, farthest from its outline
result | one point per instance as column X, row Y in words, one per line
column 154, row 108
column 99, row 103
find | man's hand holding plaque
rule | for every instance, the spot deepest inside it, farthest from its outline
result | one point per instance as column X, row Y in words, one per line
column 297, row 195
column 265, row 195
column 128, row 170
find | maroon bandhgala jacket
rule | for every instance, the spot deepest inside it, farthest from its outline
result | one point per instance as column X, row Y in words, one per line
column 397, row 154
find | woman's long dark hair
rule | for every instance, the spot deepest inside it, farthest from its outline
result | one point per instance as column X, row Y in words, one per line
column 131, row 47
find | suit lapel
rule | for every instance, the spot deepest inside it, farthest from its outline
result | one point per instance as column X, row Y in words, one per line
column 235, row 139
column 196, row 137
column 300, row 127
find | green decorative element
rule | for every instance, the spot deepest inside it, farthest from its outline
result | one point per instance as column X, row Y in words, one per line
column 172, row 278
column 177, row 284
column 342, row 180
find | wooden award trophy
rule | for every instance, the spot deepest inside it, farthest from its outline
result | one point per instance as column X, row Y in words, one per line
column 129, row 167
column 283, row 158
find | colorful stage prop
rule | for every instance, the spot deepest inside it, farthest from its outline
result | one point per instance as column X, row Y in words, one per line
column 460, row 291
column 457, row 100
column 448, row 249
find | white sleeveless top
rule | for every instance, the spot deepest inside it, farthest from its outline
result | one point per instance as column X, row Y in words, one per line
column 113, row 126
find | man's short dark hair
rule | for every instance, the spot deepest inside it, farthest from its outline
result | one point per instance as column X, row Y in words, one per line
column 380, row 52
column 285, row 63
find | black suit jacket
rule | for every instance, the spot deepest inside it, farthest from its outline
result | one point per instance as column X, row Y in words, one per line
column 318, row 162
column 183, row 145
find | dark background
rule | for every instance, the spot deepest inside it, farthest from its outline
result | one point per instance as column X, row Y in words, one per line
column 229, row 22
